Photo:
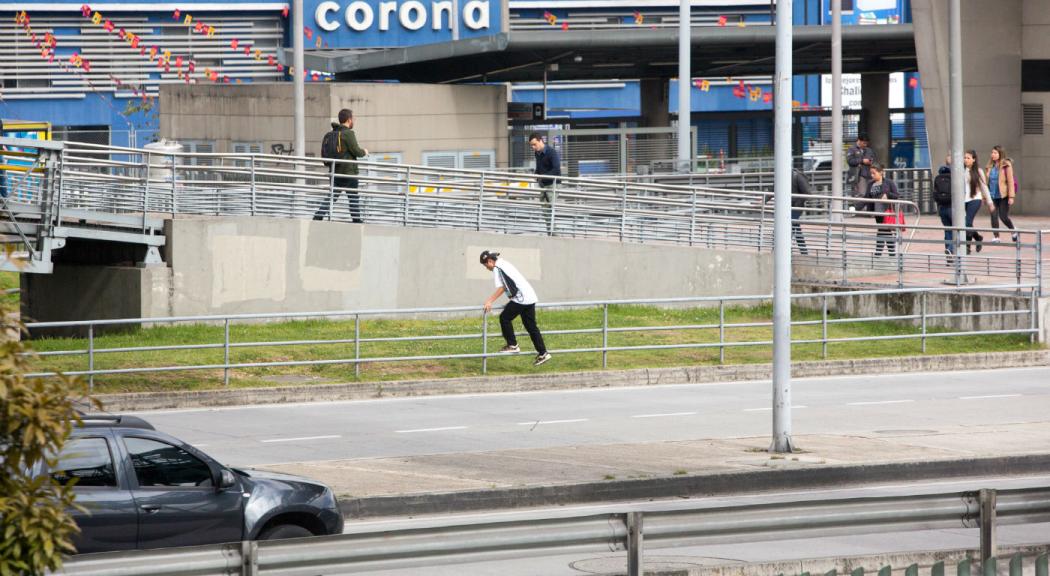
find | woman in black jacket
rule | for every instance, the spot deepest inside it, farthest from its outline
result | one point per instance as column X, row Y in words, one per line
column 882, row 188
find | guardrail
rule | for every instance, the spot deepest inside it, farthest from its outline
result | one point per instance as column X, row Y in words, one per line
column 631, row 532
column 721, row 335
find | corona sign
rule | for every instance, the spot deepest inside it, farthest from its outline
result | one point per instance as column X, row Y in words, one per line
column 390, row 23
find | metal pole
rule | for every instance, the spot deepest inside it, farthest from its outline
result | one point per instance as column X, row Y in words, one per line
column 782, row 235
column 226, row 353
column 605, row 336
column 91, row 357
column 298, row 78
column 836, row 111
column 824, row 328
column 634, row 544
column 924, row 322
column 988, row 544
column 357, row 345
column 484, row 342
column 721, row 331
column 955, row 98
column 685, row 79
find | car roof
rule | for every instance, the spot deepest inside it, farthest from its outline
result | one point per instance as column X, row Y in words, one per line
column 113, row 421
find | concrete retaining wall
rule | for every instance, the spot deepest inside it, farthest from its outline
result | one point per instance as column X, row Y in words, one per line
column 259, row 265
column 970, row 305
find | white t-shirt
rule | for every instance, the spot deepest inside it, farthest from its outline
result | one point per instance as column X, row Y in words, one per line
column 526, row 295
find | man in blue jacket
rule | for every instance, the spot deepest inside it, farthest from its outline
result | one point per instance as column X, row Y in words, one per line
column 547, row 164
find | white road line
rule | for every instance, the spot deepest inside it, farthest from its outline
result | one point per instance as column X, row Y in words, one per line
column 770, row 408
column 664, row 415
column 879, row 402
column 303, row 438
column 535, row 422
column 430, row 429
column 989, row 396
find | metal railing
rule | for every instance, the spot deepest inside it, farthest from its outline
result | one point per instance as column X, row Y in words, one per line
column 721, row 335
column 128, row 189
column 631, row 532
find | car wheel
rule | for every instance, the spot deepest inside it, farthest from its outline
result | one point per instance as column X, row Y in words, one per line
column 282, row 531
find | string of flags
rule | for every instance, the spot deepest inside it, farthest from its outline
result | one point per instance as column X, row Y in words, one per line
column 77, row 64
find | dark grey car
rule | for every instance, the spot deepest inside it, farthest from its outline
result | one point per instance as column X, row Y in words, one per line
column 145, row 489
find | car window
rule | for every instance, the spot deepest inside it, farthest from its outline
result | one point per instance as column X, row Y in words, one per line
column 86, row 460
column 162, row 464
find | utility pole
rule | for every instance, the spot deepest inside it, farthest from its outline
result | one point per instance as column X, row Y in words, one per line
column 782, row 234
column 298, row 78
column 837, row 205
column 956, row 130
column 685, row 84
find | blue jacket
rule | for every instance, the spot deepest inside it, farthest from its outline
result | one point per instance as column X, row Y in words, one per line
column 548, row 163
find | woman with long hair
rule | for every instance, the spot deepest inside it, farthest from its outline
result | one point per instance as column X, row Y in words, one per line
column 882, row 188
column 1001, row 188
column 976, row 192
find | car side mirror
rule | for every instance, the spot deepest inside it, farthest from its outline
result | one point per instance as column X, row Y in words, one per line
column 226, row 479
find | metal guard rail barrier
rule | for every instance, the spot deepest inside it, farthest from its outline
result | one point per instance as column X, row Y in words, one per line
column 629, row 531
column 922, row 319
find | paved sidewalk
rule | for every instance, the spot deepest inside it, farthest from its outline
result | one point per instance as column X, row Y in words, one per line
column 564, row 475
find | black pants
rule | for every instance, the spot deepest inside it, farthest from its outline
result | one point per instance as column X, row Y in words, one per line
column 528, row 318
column 796, row 230
column 1002, row 212
column 885, row 237
column 343, row 185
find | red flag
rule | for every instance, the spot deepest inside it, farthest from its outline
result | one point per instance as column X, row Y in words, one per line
column 913, row 82
column 108, row 26
column 175, row 16
column 722, row 20
column 284, row 12
column 767, row 97
column 85, row 11
column 564, row 25
column 233, row 45
column 309, row 33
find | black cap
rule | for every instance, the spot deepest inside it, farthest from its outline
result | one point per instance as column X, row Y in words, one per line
column 486, row 256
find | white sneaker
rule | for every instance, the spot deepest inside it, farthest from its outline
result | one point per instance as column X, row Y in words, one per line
column 542, row 358
column 995, row 240
column 510, row 349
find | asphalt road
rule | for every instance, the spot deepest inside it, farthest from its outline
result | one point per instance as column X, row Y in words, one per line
column 274, row 434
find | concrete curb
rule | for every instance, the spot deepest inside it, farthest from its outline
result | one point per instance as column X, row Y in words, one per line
column 688, row 486
column 564, row 380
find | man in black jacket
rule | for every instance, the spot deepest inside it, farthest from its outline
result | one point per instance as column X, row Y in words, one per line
column 547, row 164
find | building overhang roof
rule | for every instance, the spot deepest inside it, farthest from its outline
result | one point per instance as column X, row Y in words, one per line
column 636, row 52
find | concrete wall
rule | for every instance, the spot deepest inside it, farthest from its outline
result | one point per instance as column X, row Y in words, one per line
column 84, row 292
column 1035, row 44
column 937, row 303
column 992, row 52
column 406, row 118
column 270, row 265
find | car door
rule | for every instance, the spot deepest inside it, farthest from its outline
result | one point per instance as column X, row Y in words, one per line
column 109, row 520
column 176, row 497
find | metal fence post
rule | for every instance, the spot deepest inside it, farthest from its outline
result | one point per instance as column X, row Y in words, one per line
column 988, row 540
column 1033, row 315
column 484, row 341
column 721, row 331
column 91, row 357
column 357, row 345
column 252, row 207
column 554, row 203
column 989, row 566
column 1017, row 257
column 249, row 558
column 845, row 262
column 1039, row 260
column 623, row 213
column 408, row 190
column 634, row 544
column 174, row 188
column 898, row 239
column 1042, row 565
column 923, row 315
column 1016, row 563
column 226, row 352
column 605, row 336
column 481, row 200
column 692, row 218
column 824, row 328
column 963, row 568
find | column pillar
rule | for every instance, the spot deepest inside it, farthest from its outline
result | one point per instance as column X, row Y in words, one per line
column 875, row 99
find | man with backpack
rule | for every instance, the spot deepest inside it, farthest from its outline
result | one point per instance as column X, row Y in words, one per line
column 341, row 144
column 942, row 196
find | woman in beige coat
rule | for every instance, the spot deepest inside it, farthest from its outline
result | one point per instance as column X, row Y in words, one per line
column 1002, row 189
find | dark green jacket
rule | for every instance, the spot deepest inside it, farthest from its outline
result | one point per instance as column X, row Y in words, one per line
column 350, row 150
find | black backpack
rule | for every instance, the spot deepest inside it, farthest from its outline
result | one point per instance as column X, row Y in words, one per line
column 942, row 189
column 331, row 147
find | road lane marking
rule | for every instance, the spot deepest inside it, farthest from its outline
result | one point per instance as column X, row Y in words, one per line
column 664, row 415
column 535, row 422
column 770, row 408
column 879, row 402
column 989, row 396
column 299, row 439
column 430, row 429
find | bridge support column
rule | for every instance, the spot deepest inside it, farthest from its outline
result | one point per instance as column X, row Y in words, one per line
column 875, row 94
column 653, row 94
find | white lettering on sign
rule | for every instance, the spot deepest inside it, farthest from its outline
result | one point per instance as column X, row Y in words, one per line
column 476, row 15
column 411, row 15
column 408, row 19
